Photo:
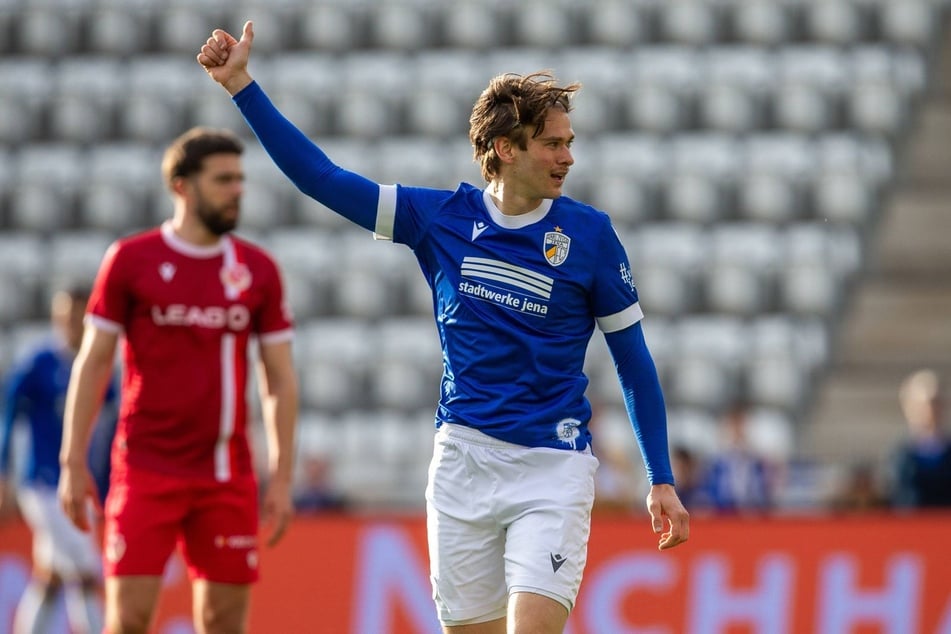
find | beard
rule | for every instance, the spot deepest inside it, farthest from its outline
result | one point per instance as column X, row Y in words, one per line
column 215, row 219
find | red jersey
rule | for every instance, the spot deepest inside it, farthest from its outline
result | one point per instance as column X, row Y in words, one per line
column 187, row 314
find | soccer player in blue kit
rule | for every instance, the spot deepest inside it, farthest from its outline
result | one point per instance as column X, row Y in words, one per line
column 520, row 276
column 65, row 559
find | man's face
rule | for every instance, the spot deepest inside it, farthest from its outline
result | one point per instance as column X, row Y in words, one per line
column 67, row 316
column 217, row 192
column 540, row 170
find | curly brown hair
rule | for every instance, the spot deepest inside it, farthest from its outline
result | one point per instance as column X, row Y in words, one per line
column 509, row 106
column 186, row 154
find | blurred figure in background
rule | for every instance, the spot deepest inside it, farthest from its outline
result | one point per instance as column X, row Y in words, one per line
column 64, row 558
column 861, row 492
column 315, row 491
column 689, row 474
column 923, row 462
column 618, row 486
column 738, row 478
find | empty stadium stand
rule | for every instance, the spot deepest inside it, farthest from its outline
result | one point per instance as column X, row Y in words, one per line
column 773, row 166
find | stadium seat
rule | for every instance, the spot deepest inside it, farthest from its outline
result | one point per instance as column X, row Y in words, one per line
column 762, row 22
column 22, row 255
column 369, row 104
column 87, row 94
column 48, row 177
column 838, row 22
column 734, row 97
column 812, row 81
column 706, row 373
column 217, row 111
column 470, row 25
column 160, row 91
column 113, row 206
column 617, row 23
column 628, row 201
column 369, row 285
column 741, row 269
column 151, row 118
column 818, row 260
column 402, row 26
column 78, row 254
column 47, row 31
column 25, row 94
column 772, row 181
column 666, row 260
column 183, row 27
column 661, row 87
column 703, row 169
column 915, row 23
column 777, row 383
column 333, row 355
column 332, row 27
column 116, row 30
column 690, row 22
column 416, row 161
column 693, row 428
column 851, row 172
column 544, row 24
column 118, row 193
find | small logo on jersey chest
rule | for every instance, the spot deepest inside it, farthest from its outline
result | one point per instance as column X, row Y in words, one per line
column 166, row 271
column 236, row 278
column 556, row 247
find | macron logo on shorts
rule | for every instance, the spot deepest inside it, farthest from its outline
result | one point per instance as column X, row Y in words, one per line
column 557, row 561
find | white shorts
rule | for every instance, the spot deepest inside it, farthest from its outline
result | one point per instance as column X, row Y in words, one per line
column 57, row 544
column 503, row 518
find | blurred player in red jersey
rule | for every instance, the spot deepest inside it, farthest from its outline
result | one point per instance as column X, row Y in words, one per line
column 186, row 298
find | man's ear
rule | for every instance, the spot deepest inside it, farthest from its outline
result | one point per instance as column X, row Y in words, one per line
column 504, row 148
column 178, row 185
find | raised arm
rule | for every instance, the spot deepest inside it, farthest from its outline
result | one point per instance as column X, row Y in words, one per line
column 351, row 195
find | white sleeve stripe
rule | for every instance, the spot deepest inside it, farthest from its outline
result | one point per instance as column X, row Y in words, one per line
column 619, row 321
column 277, row 336
column 103, row 324
column 385, row 213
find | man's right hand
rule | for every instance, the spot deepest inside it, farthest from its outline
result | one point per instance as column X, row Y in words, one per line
column 76, row 491
column 225, row 58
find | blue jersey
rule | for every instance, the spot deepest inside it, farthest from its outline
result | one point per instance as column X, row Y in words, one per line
column 36, row 391
column 516, row 300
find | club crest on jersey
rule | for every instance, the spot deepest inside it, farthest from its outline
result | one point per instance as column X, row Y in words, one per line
column 556, row 247
column 236, row 278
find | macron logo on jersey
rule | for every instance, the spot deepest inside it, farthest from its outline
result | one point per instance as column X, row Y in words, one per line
column 477, row 228
column 506, row 285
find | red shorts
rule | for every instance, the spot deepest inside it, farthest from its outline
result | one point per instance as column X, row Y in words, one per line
column 215, row 524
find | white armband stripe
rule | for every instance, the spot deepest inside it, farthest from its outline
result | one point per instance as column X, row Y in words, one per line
column 619, row 321
column 385, row 213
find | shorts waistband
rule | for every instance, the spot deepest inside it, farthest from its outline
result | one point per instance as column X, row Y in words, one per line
column 475, row 437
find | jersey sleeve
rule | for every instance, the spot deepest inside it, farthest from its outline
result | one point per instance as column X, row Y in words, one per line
column 275, row 321
column 109, row 305
column 16, row 392
column 351, row 195
column 614, row 295
column 405, row 213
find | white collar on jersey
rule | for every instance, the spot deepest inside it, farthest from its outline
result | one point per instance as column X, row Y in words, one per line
column 192, row 250
column 515, row 222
